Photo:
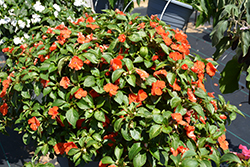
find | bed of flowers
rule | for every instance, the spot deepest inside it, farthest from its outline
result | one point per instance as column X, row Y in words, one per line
column 17, row 17
column 117, row 88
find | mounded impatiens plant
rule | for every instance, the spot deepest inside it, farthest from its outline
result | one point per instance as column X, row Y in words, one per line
column 118, row 88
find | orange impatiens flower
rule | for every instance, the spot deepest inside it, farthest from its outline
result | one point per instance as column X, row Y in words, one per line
column 178, row 118
column 44, row 83
column 68, row 146
column 53, row 47
column 34, row 123
column 4, row 109
column 175, row 56
column 157, row 87
column 76, row 63
column 210, row 69
column 141, row 26
column 61, row 148
column 92, row 26
column 122, row 38
column 175, row 86
column 90, row 20
column 191, row 96
column 115, row 63
column 223, row 143
column 223, row 116
column 111, row 88
column 80, row 93
column 143, row 74
column 153, row 24
column 53, row 112
column 65, row 82
column 199, row 66
column 190, row 132
column 160, row 72
column 174, row 152
column 141, row 96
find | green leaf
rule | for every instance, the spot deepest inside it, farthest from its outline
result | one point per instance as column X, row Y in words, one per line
column 131, row 79
column 113, row 45
column 230, row 157
column 171, row 77
column 107, row 160
column 45, row 149
column 118, row 124
column 175, row 101
column 121, row 17
column 42, row 52
column 118, row 151
column 189, row 163
column 25, row 94
column 100, row 116
column 165, row 48
column 135, row 134
column 18, row 87
column 135, row 37
column 73, row 151
column 61, row 63
column 210, row 108
column 189, row 153
column 119, row 97
column 58, row 102
column 245, row 38
column 218, row 31
column 116, row 74
column 114, row 27
column 139, row 160
column 198, row 109
column 154, row 131
column 124, row 132
column 91, row 57
column 200, row 93
column 128, row 63
column 84, row 46
column 70, row 48
column 30, row 75
column 72, row 116
column 205, row 163
column 135, row 149
column 230, row 77
column 89, row 81
column 46, row 91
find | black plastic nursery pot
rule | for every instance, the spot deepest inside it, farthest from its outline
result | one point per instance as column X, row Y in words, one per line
column 177, row 13
column 100, row 5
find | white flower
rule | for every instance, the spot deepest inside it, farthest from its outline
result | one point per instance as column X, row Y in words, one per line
column 16, row 29
column 78, row 3
column 13, row 22
column 4, row 5
column 57, row 7
column 38, row 6
column 245, row 28
column 26, row 36
column 21, row 24
column 11, row 12
column 2, row 41
column 28, row 23
column 1, row 2
column 35, row 18
column 18, row 40
column 56, row 13
column 7, row 19
column 70, row 19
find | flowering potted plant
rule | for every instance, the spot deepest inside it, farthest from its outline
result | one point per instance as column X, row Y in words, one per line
column 121, row 89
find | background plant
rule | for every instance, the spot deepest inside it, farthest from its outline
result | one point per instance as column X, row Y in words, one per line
column 17, row 17
column 120, row 88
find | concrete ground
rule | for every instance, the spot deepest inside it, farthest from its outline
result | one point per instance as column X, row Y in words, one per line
column 13, row 153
